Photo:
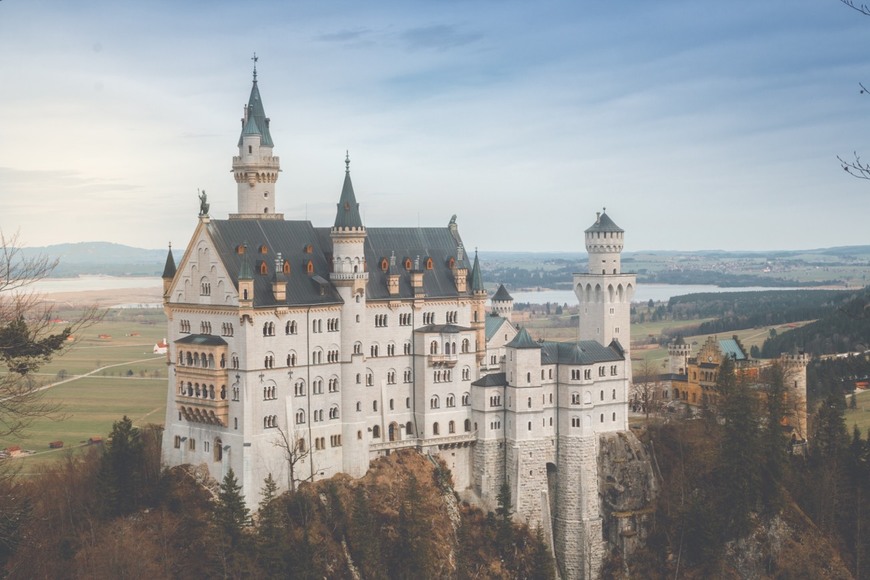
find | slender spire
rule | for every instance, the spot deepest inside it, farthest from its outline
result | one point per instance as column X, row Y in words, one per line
column 255, row 121
column 169, row 267
column 347, row 215
column 476, row 277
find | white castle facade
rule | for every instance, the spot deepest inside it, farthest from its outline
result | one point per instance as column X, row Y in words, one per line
column 303, row 351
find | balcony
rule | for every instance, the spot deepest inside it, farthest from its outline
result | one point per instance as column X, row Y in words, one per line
column 205, row 411
column 443, row 360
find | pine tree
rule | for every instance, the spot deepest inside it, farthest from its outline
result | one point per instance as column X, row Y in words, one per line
column 739, row 458
column 230, row 514
column 504, row 531
column 269, row 529
column 774, row 442
column 121, row 477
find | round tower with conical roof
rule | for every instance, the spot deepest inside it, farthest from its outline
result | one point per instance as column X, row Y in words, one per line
column 255, row 169
column 502, row 302
column 605, row 293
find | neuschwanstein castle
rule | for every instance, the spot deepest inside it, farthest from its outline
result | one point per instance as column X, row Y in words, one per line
column 303, row 351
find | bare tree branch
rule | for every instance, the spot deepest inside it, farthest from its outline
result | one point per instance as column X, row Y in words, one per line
column 862, row 8
column 31, row 333
column 295, row 451
column 856, row 168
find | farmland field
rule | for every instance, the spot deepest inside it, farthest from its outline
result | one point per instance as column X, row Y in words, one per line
column 110, row 371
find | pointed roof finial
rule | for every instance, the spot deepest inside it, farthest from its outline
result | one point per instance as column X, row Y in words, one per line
column 255, row 58
column 346, row 161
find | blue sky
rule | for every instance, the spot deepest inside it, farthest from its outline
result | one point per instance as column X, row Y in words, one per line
column 699, row 125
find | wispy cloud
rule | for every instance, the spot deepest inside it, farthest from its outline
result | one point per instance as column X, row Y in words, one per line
column 437, row 37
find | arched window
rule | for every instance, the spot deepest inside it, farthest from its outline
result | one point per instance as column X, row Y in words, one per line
column 433, row 347
column 300, row 417
column 435, row 429
column 467, row 425
column 310, row 267
column 451, row 427
column 376, row 432
column 434, row 403
column 450, row 401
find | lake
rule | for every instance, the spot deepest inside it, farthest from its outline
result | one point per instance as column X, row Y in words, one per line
column 643, row 293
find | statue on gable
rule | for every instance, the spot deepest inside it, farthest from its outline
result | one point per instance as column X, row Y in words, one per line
column 203, row 203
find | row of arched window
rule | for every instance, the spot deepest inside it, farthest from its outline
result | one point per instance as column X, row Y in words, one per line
column 316, row 415
column 202, row 391
column 449, row 401
column 200, row 359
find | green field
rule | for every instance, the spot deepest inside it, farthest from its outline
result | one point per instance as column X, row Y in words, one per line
column 859, row 416
column 124, row 377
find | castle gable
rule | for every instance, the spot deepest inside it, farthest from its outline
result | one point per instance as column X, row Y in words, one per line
column 201, row 277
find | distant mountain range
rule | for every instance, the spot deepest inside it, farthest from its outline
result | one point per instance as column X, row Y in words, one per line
column 107, row 258
column 102, row 258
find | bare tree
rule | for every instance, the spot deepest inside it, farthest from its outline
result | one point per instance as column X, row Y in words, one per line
column 29, row 335
column 295, row 451
column 645, row 386
column 857, row 167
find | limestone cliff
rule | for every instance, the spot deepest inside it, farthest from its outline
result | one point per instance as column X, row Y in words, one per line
column 627, row 489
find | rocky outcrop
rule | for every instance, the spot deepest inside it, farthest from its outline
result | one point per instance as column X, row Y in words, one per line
column 627, row 489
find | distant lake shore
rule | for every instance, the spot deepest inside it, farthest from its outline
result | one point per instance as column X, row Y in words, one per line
column 643, row 292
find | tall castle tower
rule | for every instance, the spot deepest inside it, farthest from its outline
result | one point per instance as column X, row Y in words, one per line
column 255, row 168
column 605, row 293
column 349, row 276
column 795, row 366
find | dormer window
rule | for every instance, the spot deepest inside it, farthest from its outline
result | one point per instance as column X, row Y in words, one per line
column 310, row 267
column 451, row 262
column 264, row 249
column 385, row 265
column 240, row 250
column 286, row 267
column 428, row 263
column 264, row 269
column 407, row 263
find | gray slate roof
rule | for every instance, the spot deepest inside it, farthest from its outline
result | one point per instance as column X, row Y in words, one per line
column 291, row 238
column 169, row 266
column 347, row 215
column 442, row 328
column 201, row 340
column 491, row 380
column 584, row 352
column 501, row 294
column 523, row 340
column 476, row 276
column 258, row 123
column 604, row 224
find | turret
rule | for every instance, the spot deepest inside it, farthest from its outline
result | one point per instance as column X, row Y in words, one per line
column 478, row 308
column 795, row 367
column 604, row 241
column 168, row 273
column 678, row 356
column 255, row 168
column 502, row 302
